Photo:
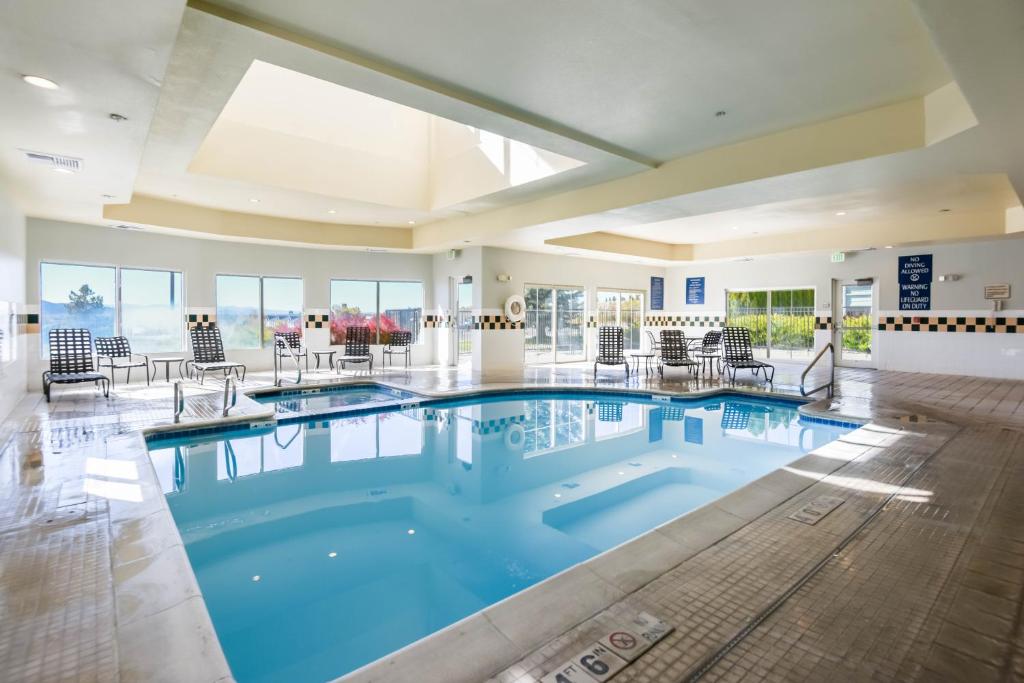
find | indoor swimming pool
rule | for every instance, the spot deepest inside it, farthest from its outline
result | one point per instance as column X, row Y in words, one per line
column 321, row 545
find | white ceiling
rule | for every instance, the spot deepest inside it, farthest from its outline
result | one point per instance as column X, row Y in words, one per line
column 644, row 76
column 107, row 57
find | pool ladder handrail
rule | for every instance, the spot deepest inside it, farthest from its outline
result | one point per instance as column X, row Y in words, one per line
column 277, row 363
column 230, row 395
column 179, row 402
column 830, row 385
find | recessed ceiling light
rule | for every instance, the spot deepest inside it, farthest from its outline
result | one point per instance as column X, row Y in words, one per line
column 256, row 578
column 117, row 118
column 411, row 532
column 331, row 211
column 412, row 222
column 840, row 213
column 254, row 200
column 40, row 82
column 332, row 554
column 888, row 246
column 62, row 170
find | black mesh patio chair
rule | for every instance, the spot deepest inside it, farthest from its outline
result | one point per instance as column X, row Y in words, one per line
column 737, row 354
column 116, row 353
column 71, row 361
column 610, row 348
column 673, row 352
column 208, row 354
column 357, row 348
column 288, row 345
column 710, row 349
column 399, row 344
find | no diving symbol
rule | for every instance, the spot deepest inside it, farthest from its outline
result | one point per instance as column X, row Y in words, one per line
column 622, row 641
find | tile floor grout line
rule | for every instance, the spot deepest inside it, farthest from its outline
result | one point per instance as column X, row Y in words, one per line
column 710, row 660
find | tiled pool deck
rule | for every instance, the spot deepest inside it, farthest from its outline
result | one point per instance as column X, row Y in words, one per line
column 918, row 575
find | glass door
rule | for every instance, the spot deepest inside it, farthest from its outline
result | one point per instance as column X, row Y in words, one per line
column 625, row 309
column 464, row 318
column 853, row 331
column 554, row 324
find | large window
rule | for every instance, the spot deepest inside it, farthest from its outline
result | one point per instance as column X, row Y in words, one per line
column 251, row 308
column 625, row 309
column 238, row 311
column 384, row 307
column 152, row 309
column 282, row 306
column 781, row 321
column 146, row 306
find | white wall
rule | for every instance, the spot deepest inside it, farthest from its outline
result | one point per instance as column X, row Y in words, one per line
column 201, row 260
column 978, row 264
column 12, row 305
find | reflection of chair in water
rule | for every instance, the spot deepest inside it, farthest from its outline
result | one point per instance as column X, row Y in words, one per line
column 673, row 413
column 609, row 412
column 736, row 416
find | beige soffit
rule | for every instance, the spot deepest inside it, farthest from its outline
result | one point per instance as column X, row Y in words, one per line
column 940, row 228
column 876, row 132
column 201, row 221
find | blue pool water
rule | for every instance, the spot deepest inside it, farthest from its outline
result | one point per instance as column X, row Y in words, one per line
column 327, row 400
column 322, row 545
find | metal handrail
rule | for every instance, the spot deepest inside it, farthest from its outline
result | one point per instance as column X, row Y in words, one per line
column 179, row 402
column 277, row 364
column 230, row 395
column 830, row 385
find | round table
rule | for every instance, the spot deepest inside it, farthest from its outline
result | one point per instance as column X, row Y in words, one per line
column 330, row 357
column 167, row 367
column 648, row 358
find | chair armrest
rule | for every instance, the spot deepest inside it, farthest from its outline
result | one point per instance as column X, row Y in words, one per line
column 143, row 356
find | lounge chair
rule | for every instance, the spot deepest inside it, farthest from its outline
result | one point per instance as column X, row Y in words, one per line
column 610, row 348
column 710, row 350
column 117, row 352
column 208, row 354
column 357, row 348
column 653, row 341
column 399, row 344
column 673, row 352
column 71, row 360
column 737, row 353
column 288, row 345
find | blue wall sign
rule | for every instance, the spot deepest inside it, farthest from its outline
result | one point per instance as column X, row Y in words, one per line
column 915, row 279
column 657, row 293
column 695, row 290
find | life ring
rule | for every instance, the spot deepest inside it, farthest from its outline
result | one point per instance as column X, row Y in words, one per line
column 515, row 308
column 515, row 437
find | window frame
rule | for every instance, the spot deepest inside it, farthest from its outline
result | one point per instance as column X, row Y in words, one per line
column 263, row 344
column 44, row 352
column 419, row 338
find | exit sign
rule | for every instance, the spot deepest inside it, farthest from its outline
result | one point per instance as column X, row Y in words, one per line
column 838, row 256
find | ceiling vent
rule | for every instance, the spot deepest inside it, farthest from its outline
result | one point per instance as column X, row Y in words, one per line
column 57, row 162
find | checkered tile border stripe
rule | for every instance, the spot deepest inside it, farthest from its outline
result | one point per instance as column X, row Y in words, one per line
column 495, row 322
column 484, row 427
column 436, row 321
column 201, row 320
column 27, row 323
column 317, row 321
column 686, row 321
column 943, row 323
column 822, row 322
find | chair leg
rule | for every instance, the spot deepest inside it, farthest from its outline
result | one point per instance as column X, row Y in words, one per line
column 128, row 375
column 147, row 373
